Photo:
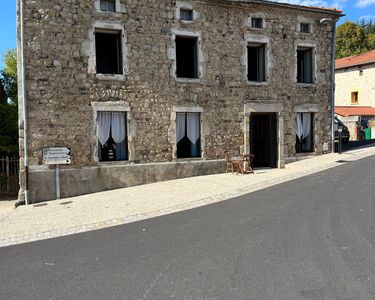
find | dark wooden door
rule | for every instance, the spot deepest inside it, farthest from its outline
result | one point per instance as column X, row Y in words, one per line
column 263, row 139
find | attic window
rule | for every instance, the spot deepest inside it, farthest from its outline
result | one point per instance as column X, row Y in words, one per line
column 305, row 27
column 257, row 22
column 187, row 57
column 107, row 5
column 186, row 14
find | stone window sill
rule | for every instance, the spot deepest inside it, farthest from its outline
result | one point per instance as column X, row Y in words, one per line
column 302, row 84
column 186, row 21
column 188, row 80
column 257, row 82
column 119, row 77
column 116, row 14
column 116, row 163
column 189, row 159
column 302, row 154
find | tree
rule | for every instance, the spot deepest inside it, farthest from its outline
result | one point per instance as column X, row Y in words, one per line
column 353, row 39
column 9, row 75
column 9, row 107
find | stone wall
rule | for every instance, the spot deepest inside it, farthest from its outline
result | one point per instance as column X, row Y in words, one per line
column 61, row 83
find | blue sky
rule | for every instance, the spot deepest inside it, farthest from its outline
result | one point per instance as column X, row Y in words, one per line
column 354, row 10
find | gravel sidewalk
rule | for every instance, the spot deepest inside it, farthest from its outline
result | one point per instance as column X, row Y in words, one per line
column 104, row 209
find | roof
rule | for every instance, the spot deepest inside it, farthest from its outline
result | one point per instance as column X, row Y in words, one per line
column 284, row 3
column 347, row 111
column 356, row 60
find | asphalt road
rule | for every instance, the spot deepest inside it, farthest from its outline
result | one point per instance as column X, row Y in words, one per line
column 311, row 238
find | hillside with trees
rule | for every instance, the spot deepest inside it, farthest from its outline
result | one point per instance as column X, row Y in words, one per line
column 8, row 105
column 354, row 39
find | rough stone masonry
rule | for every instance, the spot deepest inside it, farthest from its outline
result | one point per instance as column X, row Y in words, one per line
column 64, row 92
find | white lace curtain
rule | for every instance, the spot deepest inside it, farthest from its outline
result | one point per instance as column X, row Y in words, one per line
column 105, row 121
column 192, row 127
column 180, row 124
column 118, row 127
column 303, row 125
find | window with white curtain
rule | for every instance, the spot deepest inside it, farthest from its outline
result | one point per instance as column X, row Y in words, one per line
column 304, row 132
column 188, row 135
column 112, row 137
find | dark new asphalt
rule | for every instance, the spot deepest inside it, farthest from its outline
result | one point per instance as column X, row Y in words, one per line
column 312, row 238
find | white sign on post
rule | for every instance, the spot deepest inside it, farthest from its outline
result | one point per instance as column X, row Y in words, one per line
column 56, row 156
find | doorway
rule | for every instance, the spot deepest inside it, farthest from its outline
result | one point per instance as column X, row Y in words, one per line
column 263, row 139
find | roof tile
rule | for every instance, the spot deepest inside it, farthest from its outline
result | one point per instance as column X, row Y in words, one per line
column 347, row 111
column 356, row 60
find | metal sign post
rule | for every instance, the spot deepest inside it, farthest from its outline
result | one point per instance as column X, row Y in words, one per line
column 57, row 156
column 57, row 182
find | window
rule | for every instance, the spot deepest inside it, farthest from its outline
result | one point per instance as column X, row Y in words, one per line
column 257, row 22
column 305, row 27
column 186, row 57
column 188, row 135
column 304, row 132
column 111, row 134
column 107, row 5
column 360, row 72
column 108, row 52
column 354, row 97
column 305, row 65
column 256, row 69
column 186, row 14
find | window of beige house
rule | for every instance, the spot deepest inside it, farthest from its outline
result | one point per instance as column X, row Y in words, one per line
column 354, row 97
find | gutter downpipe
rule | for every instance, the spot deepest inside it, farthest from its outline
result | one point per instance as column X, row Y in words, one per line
column 24, row 105
column 333, row 63
column 332, row 78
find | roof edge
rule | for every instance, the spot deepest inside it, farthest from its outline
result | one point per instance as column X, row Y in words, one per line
column 332, row 11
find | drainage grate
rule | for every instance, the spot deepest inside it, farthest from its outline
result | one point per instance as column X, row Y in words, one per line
column 66, row 203
column 40, row 205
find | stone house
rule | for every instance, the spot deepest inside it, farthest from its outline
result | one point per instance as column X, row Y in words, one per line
column 355, row 92
column 146, row 90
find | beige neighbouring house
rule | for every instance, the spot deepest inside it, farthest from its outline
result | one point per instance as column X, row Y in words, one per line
column 150, row 90
column 355, row 92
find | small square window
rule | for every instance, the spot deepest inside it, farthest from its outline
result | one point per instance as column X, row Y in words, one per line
column 186, row 14
column 305, row 27
column 257, row 22
column 354, row 98
column 107, row 5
